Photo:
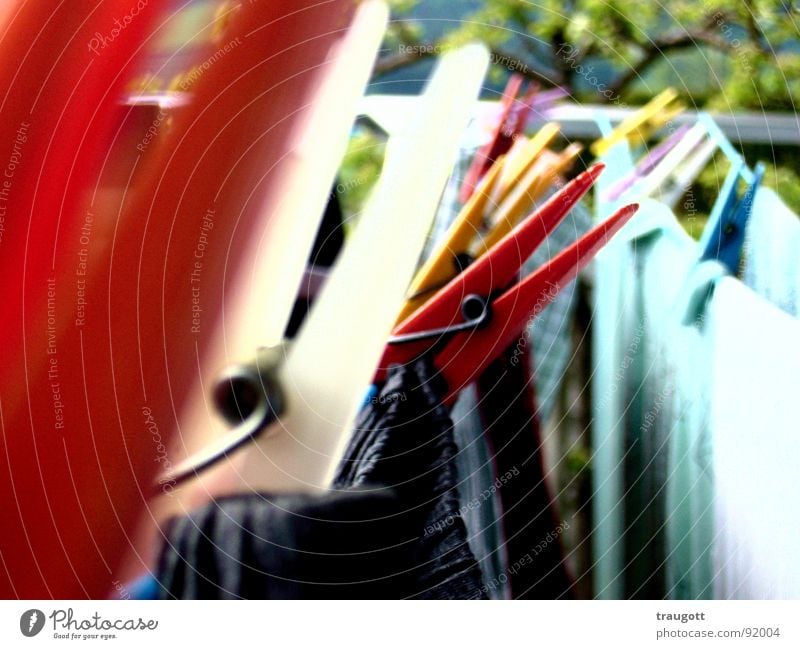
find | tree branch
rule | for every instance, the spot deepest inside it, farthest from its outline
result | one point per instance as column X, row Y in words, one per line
column 655, row 49
column 756, row 33
column 402, row 59
column 550, row 78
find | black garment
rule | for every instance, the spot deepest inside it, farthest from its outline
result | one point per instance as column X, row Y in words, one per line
column 404, row 439
column 537, row 568
column 259, row 546
column 404, row 538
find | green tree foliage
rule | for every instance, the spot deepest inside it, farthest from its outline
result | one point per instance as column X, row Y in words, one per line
column 745, row 52
column 721, row 55
column 359, row 172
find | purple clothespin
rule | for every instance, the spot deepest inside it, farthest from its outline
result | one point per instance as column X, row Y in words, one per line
column 646, row 164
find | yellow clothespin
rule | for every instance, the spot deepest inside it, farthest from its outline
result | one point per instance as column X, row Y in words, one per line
column 648, row 132
column 533, row 184
column 520, row 159
column 641, row 118
column 523, row 179
column 442, row 265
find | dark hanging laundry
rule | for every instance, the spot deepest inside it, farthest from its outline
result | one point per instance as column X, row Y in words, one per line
column 537, row 567
column 390, row 528
column 404, row 439
column 259, row 546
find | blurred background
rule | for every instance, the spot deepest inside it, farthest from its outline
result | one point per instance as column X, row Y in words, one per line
column 730, row 57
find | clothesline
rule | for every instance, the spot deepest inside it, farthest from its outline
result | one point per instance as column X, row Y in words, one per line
column 580, row 120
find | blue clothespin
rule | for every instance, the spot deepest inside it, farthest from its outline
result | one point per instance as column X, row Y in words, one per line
column 723, row 237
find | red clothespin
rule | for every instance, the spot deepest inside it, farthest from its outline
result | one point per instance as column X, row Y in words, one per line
column 479, row 313
column 512, row 127
column 491, row 273
column 469, row 353
column 483, row 160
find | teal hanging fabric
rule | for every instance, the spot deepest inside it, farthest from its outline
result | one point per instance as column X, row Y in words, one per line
column 772, row 252
column 690, row 479
column 663, row 257
column 756, row 444
column 611, row 312
column 656, row 405
column 651, row 388
column 658, row 258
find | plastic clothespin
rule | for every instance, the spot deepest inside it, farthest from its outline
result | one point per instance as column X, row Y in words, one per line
column 660, row 173
column 469, row 353
column 449, row 258
column 649, row 130
column 645, row 165
column 482, row 301
column 724, row 234
column 635, row 122
column 319, row 385
column 457, row 249
column 521, row 158
column 684, row 157
column 530, row 188
column 482, row 161
column 688, row 173
column 513, row 126
column 545, row 99
column 521, row 112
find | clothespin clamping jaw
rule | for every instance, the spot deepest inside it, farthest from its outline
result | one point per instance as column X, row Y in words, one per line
column 511, row 121
column 498, row 203
column 479, row 313
column 652, row 115
column 723, row 237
